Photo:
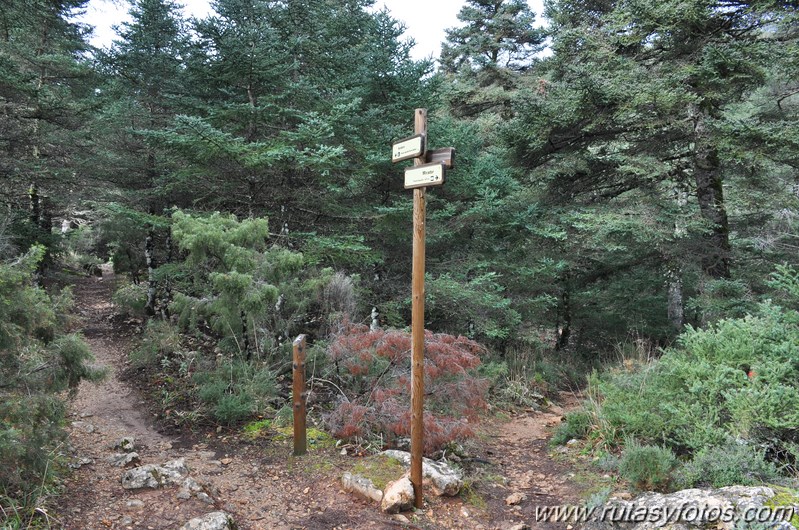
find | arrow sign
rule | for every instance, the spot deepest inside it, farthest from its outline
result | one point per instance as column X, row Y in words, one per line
column 408, row 148
column 423, row 176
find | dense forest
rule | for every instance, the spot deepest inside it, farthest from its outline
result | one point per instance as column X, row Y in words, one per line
column 625, row 198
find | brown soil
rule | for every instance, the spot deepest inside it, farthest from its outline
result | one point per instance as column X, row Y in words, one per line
column 259, row 483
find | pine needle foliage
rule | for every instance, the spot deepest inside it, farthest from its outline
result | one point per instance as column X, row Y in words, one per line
column 253, row 294
column 38, row 363
column 729, row 389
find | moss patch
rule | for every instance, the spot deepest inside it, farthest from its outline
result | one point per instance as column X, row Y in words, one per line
column 256, row 429
column 379, row 469
column 317, row 439
column 785, row 498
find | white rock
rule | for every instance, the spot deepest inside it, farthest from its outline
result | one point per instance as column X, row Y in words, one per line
column 204, row 497
column 687, row 509
column 135, row 504
column 122, row 459
column 84, row 426
column 155, row 476
column 85, row 461
column 126, row 444
column 191, row 485
column 515, row 498
column 211, row 521
column 398, row 496
column 361, row 486
column 444, row 479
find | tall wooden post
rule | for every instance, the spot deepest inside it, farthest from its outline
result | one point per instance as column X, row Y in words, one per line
column 428, row 170
column 417, row 324
column 298, row 396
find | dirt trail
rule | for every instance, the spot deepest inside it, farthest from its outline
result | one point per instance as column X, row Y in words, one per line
column 259, row 484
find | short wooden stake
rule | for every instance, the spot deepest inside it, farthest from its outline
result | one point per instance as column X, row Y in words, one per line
column 417, row 325
column 298, row 396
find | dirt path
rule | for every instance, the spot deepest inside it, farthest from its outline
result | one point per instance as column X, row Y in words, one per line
column 259, row 484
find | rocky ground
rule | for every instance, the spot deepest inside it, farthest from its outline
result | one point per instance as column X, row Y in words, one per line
column 258, row 483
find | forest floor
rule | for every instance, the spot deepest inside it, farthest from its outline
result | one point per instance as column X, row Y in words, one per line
column 259, row 483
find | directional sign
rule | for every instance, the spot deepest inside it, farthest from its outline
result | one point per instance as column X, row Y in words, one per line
column 423, row 176
column 408, row 148
column 445, row 156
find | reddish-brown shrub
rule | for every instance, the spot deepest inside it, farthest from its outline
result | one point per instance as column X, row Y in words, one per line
column 373, row 368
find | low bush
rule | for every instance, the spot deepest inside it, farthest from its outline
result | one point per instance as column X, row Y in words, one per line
column 236, row 390
column 735, row 380
column 733, row 463
column 38, row 363
column 528, row 374
column 647, row 467
column 372, row 369
column 576, row 424
column 130, row 300
column 160, row 341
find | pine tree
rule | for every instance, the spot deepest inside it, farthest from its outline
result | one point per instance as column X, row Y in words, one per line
column 483, row 58
column 634, row 109
column 496, row 34
column 145, row 71
column 45, row 91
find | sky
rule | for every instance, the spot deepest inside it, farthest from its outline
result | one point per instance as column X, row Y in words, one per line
column 425, row 20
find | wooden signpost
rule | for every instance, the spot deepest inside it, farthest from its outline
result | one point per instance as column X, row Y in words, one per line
column 429, row 169
column 298, row 396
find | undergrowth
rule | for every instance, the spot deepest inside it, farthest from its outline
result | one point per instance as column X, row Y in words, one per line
column 725, row 399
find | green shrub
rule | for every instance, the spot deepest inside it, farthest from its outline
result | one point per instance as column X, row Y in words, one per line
column 246, row 291
column 734, row 463
column 576, row 424
column 236, row 390
column 130, row 299
column 737, row 379
column 647, row 467
column 72, row 355
column 160, row 340
column 722, row 299
column 38, row 362
column 522, row 392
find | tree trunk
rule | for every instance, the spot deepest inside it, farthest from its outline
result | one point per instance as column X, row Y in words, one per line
column 245, row 335
column 35, row 205
column 676, row 309
column 676, row 312
column 375, row 325
column 710, row 194
column 35, row 221
column 149, row 258
column 564, row 323
column 167, row 286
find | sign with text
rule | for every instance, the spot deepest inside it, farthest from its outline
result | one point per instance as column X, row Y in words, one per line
column 408, row 148
column 423, row 176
